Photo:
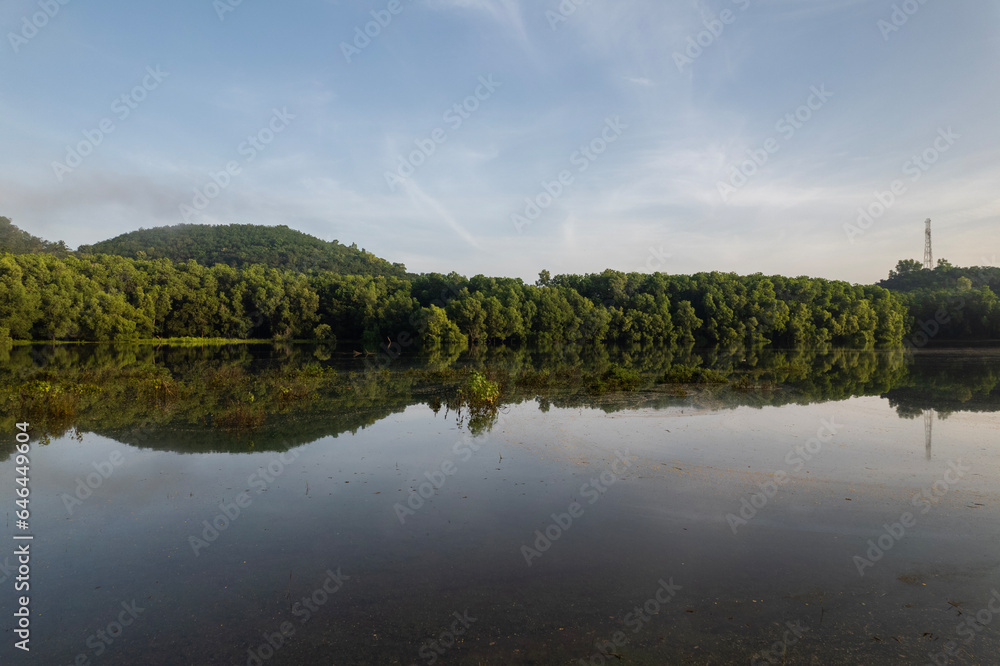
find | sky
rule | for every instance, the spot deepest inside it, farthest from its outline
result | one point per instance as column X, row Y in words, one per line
column 504, row 137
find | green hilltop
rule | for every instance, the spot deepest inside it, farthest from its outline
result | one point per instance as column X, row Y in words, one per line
column 18, row 241
column 241, row 245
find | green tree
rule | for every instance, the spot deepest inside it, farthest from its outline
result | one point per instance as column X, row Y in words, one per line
column 906, row 266
column 438, row 330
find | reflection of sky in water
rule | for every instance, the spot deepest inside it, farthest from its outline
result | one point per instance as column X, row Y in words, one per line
column 333, row 506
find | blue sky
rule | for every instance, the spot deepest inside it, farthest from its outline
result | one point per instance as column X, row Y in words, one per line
column 506, row 136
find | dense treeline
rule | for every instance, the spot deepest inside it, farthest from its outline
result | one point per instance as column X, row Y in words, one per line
column 103, row 297
column 246, row 281
column 723, row 308
column 948, row 302
column 240, row 245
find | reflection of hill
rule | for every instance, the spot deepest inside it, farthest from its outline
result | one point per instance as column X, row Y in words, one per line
column 277, row 435
column 264, row 397
column 170, row 398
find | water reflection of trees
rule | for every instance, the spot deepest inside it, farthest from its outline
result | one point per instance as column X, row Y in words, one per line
column 946, row 382
column 264, row 397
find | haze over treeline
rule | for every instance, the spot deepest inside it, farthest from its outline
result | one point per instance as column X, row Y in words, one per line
column 253, row 282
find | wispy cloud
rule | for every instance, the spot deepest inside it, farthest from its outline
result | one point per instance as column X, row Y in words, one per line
column 657, row 185
column 433, row 206
column 505, row 12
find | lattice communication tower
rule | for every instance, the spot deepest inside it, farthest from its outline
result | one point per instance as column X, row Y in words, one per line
column 928, row 254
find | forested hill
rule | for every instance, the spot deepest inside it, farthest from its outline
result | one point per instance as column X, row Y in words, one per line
column 18, row 241
column 241, row 245
column 909, row 276
column 948, row 302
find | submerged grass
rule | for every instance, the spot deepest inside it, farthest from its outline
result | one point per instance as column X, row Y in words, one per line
column 686, row 374
column 240, row 417
column 614, row 379
column 173, row 342
column 750, row 383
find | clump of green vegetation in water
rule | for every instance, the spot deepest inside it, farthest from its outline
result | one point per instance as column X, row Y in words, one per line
column 479, row 392
column 686, row 374
column 482, row 397
column 615, row 378
column 202, row 342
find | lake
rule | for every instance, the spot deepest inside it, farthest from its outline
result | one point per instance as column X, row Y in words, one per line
column 283, row 505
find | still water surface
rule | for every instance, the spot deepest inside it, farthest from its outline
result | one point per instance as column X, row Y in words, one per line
column 644, row 529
